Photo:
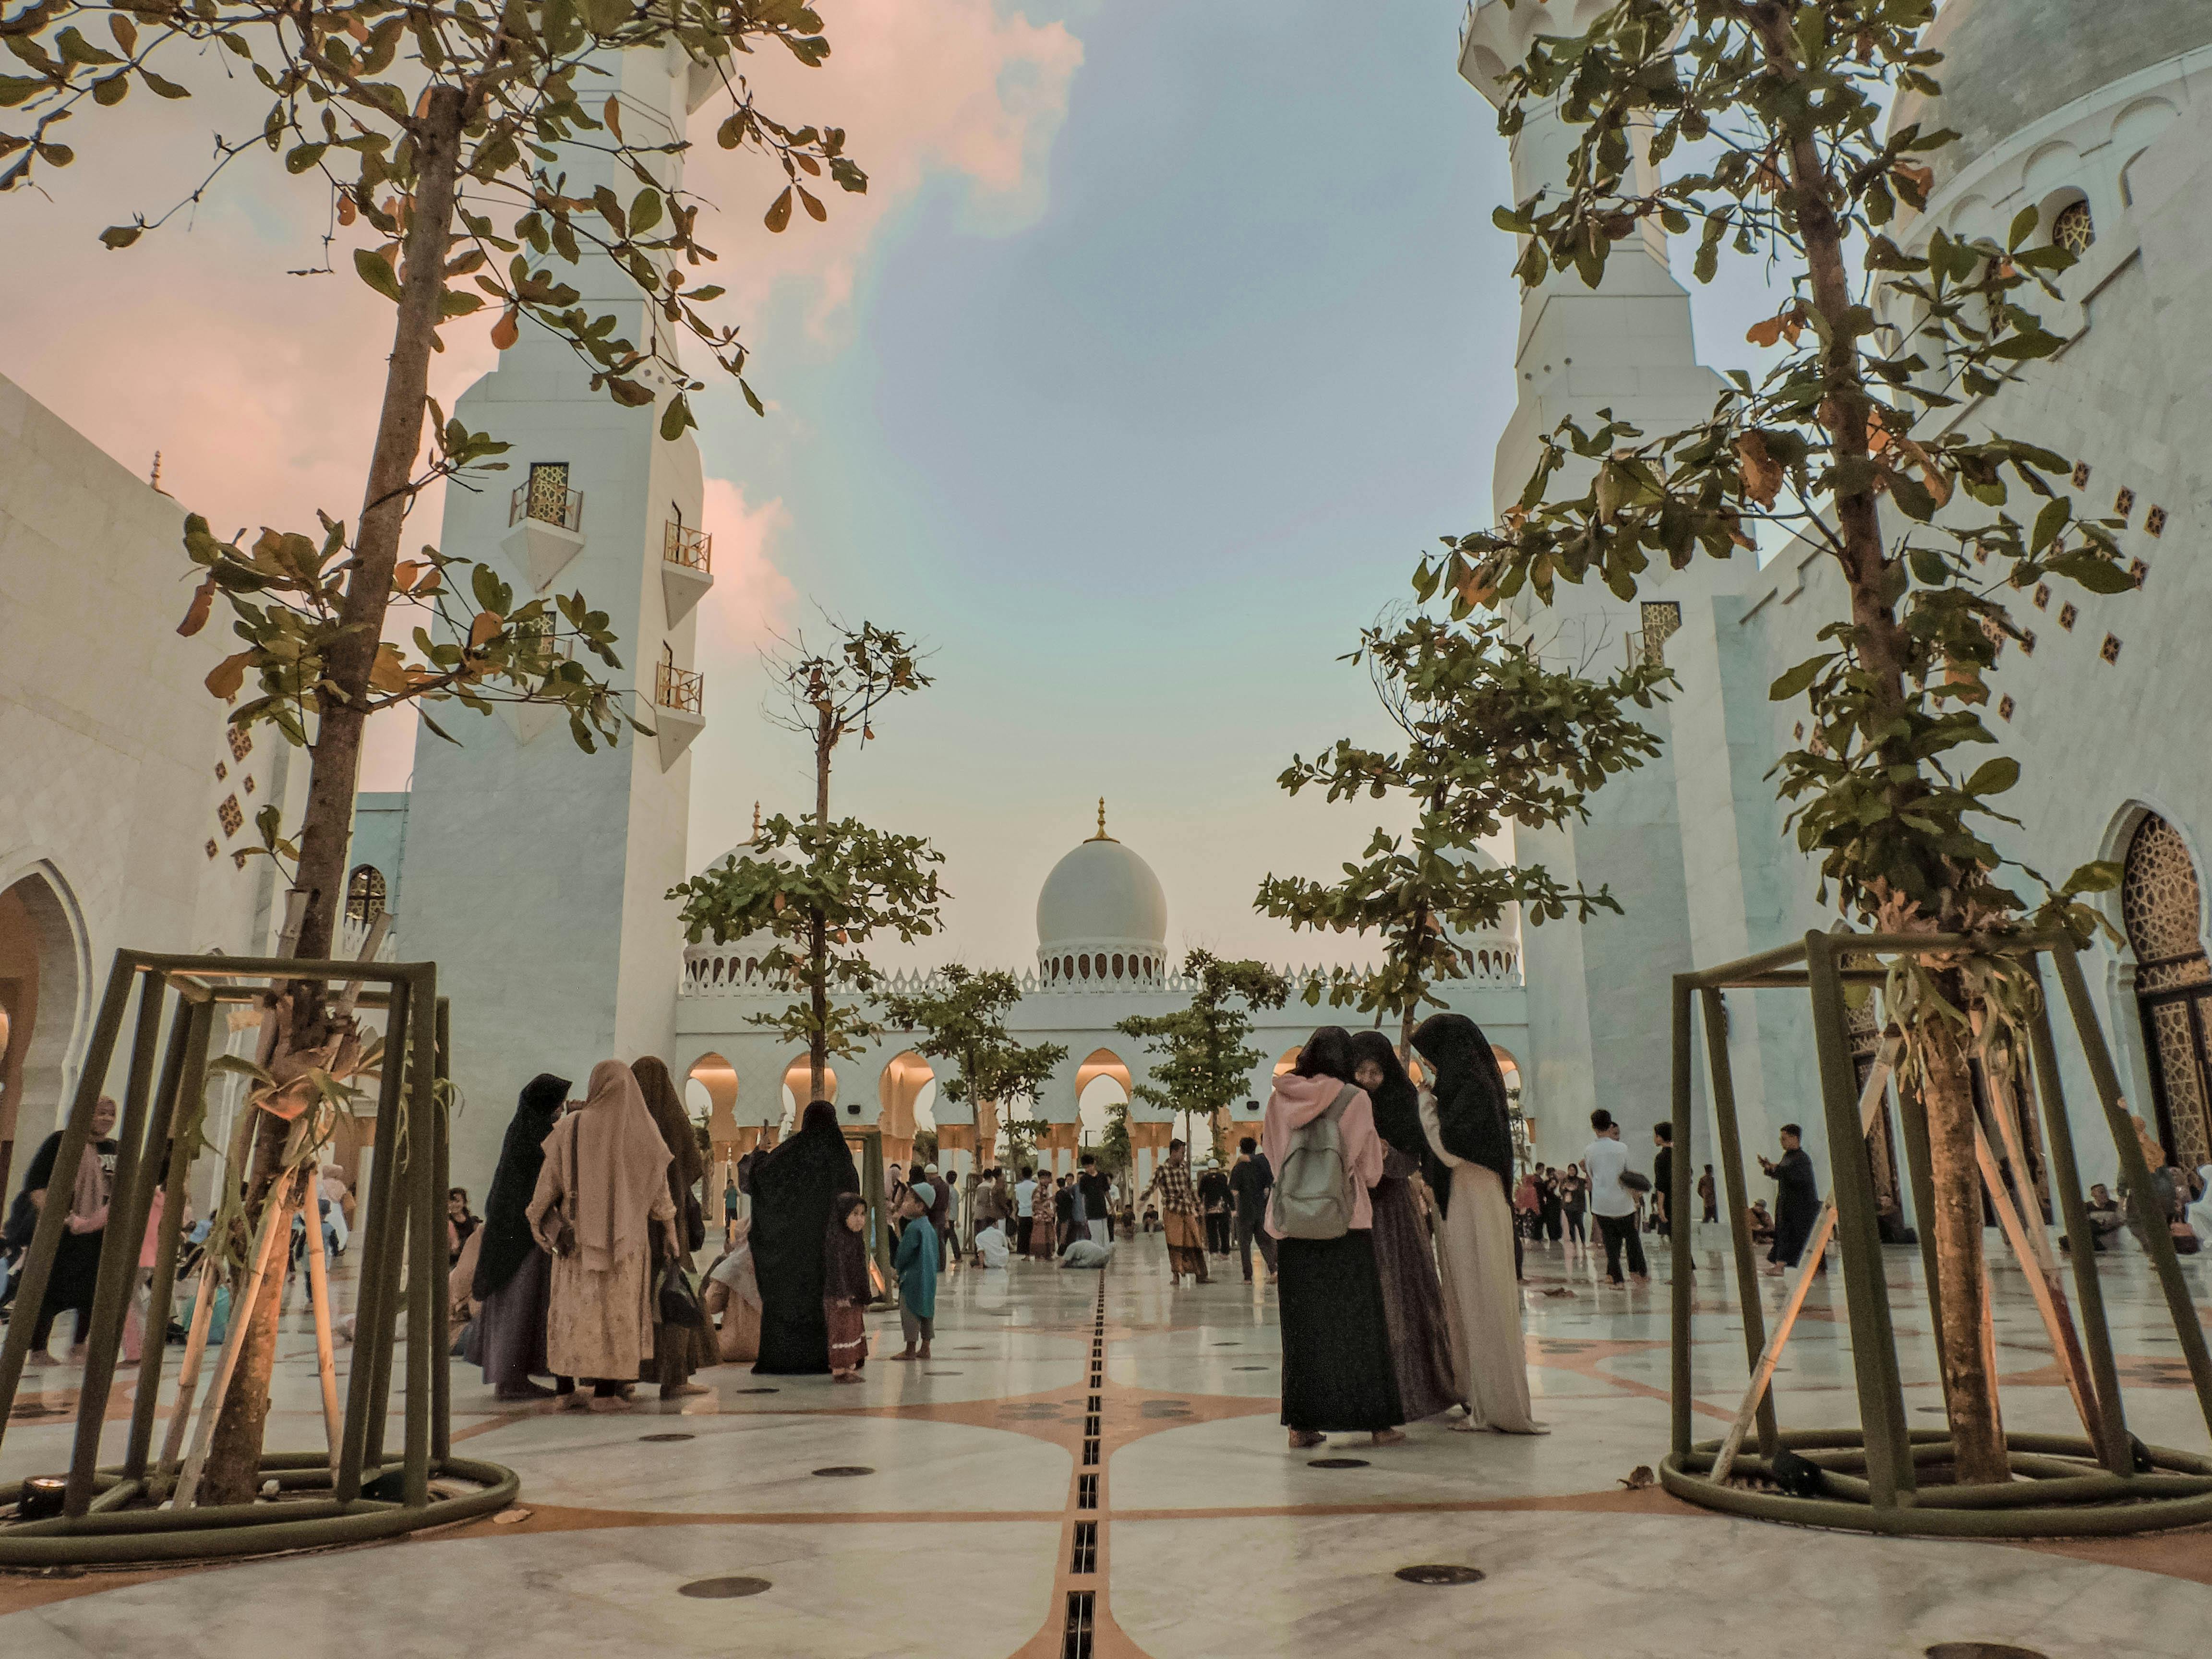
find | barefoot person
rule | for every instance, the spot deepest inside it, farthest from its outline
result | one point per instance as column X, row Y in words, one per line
column 1319, row 1135
column 1186, row 1229
column 1464, row 1120
column 915, row 1263
column 844, row 1288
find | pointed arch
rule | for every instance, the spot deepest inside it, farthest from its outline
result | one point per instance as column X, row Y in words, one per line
column 46, row 976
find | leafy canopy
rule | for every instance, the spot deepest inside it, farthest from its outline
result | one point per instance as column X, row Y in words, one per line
column 1493, row 737
column 1865, row 437
column 1204, row 1066
column 965, row 1022
column 820, row 895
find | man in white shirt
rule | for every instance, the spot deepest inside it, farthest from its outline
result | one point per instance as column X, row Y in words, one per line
column 991, row 1245
column 1024, row 1207
column 1610, row 1202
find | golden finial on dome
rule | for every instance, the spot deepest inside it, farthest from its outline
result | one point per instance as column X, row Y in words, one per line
column 756, row 824
column 1102, row 835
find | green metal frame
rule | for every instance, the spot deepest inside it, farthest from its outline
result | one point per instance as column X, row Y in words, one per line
column 2074, row 1486
column 159, row 1121
column 870, row 1144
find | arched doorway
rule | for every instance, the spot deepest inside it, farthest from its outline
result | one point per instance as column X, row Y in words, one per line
column 906, row 1077
column 42, row 978
column 2161, row 907
column 710, row 1092
column 797, row 1089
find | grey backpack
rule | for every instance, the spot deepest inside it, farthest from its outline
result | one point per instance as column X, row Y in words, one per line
column 1313, row 1189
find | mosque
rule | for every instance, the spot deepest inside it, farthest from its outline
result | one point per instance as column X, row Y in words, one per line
column 127, row 815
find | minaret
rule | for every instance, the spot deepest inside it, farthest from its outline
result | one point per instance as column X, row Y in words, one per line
column 535, row 874
column 1598, row 993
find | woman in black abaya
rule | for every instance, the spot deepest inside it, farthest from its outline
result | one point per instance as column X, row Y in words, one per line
column 511, row 1277
column 794, row 1188
column 1412, row 1301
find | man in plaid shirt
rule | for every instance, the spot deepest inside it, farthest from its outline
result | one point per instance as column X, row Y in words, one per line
column 1179, row 1211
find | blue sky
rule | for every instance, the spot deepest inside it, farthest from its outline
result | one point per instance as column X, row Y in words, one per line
column 1139, row 464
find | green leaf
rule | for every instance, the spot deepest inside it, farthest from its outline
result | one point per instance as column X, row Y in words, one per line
column 676, row 417
column 1800, row 678
column 303, row 157
column 374, row 270
column 1994, row 777
column 122, row 236
column 2024, row 224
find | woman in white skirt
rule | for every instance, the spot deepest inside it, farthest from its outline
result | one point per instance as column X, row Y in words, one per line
column 1463, row 1114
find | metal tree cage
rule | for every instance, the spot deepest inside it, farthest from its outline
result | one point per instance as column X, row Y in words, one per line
column 2101, row 1482
column 116, row 1514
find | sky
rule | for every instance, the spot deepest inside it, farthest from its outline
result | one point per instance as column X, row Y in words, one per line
column 1165, row 340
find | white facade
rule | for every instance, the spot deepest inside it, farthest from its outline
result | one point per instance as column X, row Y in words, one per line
column 2057, row 107
column 124, row 806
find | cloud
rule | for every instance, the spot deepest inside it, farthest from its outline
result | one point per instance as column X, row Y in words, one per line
column 750, row 596
column 952, row 88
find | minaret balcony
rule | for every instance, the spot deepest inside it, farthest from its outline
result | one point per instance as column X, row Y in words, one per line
column 679, row 713
column 687, row 569
column 545, row 520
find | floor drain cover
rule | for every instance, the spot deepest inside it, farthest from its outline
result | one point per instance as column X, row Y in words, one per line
column 1248, row 1368
column 1439, row 1574
column 845, row 1468
column 753, row 1391
column 1229, row 1345
column 940, row 1373
column 1336, row 1463
column 722, row 1589
column 1982, row 1650
column 667, row 1437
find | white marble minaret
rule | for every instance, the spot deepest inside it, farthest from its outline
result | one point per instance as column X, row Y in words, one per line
column 534, row 873
column 1598, row 1002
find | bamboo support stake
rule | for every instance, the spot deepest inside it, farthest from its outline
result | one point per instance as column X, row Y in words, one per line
column 188, row 1373
column 2050, row 1298
column 1809, row 1264
column 318, row 1292
column 241, row 1314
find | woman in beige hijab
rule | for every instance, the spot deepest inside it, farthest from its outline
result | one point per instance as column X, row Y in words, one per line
column 602, row 1207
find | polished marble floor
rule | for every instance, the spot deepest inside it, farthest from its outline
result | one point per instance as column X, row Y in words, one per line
column 987, row 1505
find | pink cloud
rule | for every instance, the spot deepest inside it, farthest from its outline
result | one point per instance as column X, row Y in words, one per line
column 750, row 596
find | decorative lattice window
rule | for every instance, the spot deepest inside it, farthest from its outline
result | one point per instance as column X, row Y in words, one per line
column 221, row 771
column 2110, row 650
column 2073, row 229
column 241, row 743
column 2161, row 906
column 2005, row 706
column 2042, row 596
column 248, row 785
column 2027, row 642
column 1662, row 620
column 2139, row 570
column 230, row 815
column 238, row 859
column 364, row 894
column 2080, row 474
column 212, row 849
column 2068, row 614
column 2154, row 522
column 547, row 496
column 2123, row 504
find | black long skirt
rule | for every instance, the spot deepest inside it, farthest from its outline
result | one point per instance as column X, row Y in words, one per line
column 510, row 1326
column 1337, row 1375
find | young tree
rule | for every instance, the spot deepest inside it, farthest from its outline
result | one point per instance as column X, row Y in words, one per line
column 471, row 154
column 823, row 890
column 1493, row 737
column 1204, row 1065
column 966, row 1023
column 1857, row 438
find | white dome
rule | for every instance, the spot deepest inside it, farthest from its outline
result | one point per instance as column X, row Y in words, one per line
column 1102, row 898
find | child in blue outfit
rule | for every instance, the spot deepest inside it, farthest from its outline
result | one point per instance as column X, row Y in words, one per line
column 915, row 1263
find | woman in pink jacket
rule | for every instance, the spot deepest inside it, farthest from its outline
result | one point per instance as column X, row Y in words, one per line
column 1337, row 1375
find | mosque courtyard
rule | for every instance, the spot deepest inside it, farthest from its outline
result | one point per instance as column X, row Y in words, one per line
column 1091, row 1464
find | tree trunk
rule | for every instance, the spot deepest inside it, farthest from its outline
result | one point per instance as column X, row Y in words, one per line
column 817, row 1046
column 233, row 1465
column 1970, row 1388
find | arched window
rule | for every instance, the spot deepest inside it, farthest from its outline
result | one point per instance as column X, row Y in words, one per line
column 364, row 894
column 1083, row 966
column 2161, row 908
column 1117, row 965
column 2073, row 229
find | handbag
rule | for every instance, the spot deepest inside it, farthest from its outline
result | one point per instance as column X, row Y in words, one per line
column 1635, row 1182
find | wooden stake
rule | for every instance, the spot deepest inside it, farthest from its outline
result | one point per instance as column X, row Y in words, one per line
column 1816, row 1248
column 2050, row 1296
column 188, row 1374
column 319, row 1290
column 242, row 1313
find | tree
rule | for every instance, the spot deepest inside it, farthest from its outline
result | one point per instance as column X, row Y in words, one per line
column 452, row 142
column 1857, row 439
column 823, row 890
column 966, row 1024
column 1204, row 1066
column 1493, row 737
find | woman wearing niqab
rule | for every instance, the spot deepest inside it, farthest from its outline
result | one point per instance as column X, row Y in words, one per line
column 512, row 1274
column 794, row 1188
column 680, row 1346
column 1463, row 1118
column 1413, row 1302
column 601, row 1210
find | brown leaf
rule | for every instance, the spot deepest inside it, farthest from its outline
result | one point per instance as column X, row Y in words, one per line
column 1639, row 1478
column 488, row 622
column 196, row 614
column 612, row 115
column 347, row 212
column 224, row 679
column 405, row 574
column 1765, row 333
column 1762, row 473
column 508, row 1517
column 815, row 211
column 1938, row 485
column 779, row 212
column 387, row 673
column 506, row 331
